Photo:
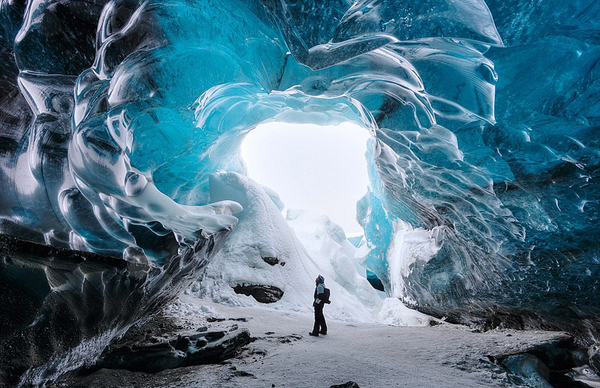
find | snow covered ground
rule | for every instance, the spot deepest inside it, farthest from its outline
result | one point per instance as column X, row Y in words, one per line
column 372, row 355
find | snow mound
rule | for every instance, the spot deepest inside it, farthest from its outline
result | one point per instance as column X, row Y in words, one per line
column 265, row 254
column 393, row 312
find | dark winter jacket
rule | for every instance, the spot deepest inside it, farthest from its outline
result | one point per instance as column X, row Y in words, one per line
column 321, row 296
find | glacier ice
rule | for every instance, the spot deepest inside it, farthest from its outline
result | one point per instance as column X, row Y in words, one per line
column 114, row 114
column 61, row 307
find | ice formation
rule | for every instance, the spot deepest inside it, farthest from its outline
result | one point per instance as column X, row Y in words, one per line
column 280, row 259
column 114, row 114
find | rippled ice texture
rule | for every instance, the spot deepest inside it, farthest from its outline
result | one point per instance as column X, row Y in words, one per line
column 484, row 116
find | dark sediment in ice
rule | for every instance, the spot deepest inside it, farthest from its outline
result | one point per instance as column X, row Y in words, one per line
column 262, row 293
column 60, row 308
column 271, row 260
column 156, row 346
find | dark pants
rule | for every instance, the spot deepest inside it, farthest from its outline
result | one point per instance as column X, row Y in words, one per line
column 320, row 324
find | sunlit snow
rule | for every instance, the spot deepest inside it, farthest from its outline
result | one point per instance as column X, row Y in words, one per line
column 317, row 168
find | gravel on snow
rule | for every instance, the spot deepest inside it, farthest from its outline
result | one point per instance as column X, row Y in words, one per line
column 284, row 355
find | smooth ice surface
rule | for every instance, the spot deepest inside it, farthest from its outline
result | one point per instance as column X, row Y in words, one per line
column 311, row 167
column 485, row 119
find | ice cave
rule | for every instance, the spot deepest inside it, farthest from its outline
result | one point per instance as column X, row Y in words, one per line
column 127, row 180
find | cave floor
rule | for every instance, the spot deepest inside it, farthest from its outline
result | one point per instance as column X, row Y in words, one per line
column 284, row 355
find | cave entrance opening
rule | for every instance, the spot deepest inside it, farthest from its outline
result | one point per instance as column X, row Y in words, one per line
column 320, row 169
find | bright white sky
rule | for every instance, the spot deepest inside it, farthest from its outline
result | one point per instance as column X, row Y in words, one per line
column 317, row 168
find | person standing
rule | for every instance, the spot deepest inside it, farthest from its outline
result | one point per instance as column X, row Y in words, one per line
column 320, row 298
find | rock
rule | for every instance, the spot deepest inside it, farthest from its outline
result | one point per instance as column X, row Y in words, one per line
column 349, row 384
column 271, row 260
column 594, row 354
column 549, row 363
column 263, row 294
column 527, row 366
column 241, row 373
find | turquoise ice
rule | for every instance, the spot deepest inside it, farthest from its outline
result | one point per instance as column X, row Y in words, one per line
column 484, row 120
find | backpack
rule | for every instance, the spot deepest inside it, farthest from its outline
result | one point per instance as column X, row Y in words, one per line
column 326, row 294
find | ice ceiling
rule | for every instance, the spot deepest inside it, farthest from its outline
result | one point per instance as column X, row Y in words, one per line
column 114, row 114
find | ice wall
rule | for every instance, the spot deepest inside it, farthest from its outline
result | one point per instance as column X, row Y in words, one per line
column 114, row 114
